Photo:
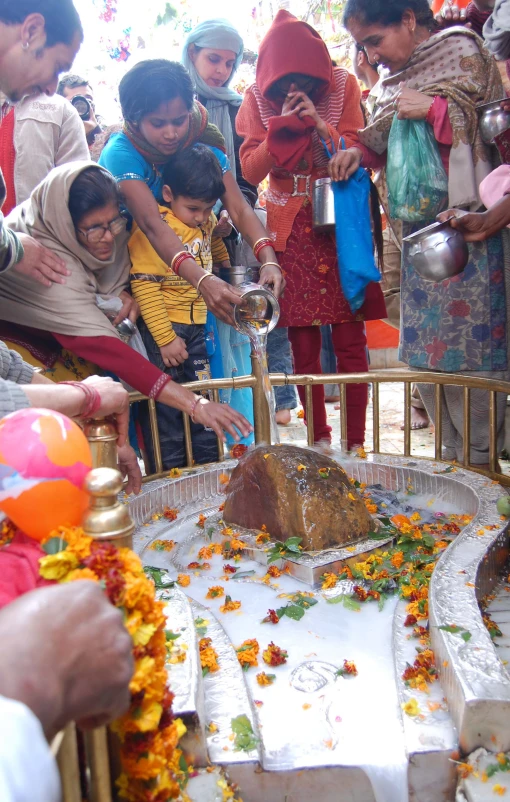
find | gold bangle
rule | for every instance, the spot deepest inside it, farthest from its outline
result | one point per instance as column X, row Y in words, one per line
column 262, row 239
column 202, row 278
column 179, row 253
column 274, row 264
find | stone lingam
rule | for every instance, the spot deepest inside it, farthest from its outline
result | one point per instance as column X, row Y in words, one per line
column 297, row 492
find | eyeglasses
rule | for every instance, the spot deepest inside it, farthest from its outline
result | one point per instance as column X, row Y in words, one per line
column 96, row 233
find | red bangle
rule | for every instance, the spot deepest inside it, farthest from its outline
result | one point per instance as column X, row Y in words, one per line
column 260, row 244
column 92, row 400
column 178, row 260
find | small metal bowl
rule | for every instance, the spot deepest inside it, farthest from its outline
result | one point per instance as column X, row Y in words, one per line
column 126, row 329
column 493, row 120
column 437, row 252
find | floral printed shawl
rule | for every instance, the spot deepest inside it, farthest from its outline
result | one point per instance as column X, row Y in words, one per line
column 453, row 64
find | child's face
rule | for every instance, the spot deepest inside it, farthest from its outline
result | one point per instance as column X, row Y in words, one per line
column 193, row 213
column 166, row 127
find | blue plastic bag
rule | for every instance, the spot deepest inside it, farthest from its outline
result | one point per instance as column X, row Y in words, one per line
column 354, row 245
column 417, row 180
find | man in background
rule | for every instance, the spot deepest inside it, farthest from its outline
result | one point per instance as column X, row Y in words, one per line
column 36, row 135
column 74, row 88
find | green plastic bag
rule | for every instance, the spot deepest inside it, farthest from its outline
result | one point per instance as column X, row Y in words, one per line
column 417, row 180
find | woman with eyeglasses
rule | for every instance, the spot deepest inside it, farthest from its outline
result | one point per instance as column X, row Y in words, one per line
column 299, row 104
column 75, row 213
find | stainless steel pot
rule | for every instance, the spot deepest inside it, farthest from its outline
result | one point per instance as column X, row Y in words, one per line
column 437, row 252
column 126, row 329
column 260, row 311
column 238, row 274
column 493, row 120
column 323, row 205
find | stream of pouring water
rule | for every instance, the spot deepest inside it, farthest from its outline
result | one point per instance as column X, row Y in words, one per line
column 258, row 341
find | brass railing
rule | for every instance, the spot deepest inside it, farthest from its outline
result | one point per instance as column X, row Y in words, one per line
column 375, row 378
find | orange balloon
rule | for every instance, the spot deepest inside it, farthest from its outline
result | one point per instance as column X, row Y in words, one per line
column 48, row 505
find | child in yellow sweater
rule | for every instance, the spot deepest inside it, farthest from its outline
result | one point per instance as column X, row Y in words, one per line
column 173, row 313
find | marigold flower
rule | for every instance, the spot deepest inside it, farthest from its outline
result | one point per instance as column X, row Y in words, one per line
column 360, row 592
column 329, row 581
column 371, row 507
column 80, row 573
column 301, row 467
column 170, row 514
column 410, row 621
column 175, row 473
column 411, row 708
column 361, row 453
column 236, row 544
column 238, row 450
column 262, row 538
column 274, row 655
column 498, row 789
column 57, row 566
column 223, row 479
column 247, row 653
column 215, row 592
column 464, row 769
column 300, row 414
column 229, row 569
column 274, row 571
column 265, row 679
column 397, row 559
column 201, row 520
column 208, row 656
column 400, row 520
column 206, row 552
column 183, row 580
column 162, row 545
column 271, row 618
column 350, row 668
column 229, row 605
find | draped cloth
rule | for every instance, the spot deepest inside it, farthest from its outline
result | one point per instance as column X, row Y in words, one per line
column 68, row 308
column 453, row 64
column 496, row 30
column 217, row 34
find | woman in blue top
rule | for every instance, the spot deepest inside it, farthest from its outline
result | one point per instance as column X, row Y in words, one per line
column 160, row 119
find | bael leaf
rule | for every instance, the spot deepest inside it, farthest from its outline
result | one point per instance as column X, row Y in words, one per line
column 336, row 599
column 171, row 635
column 466, row 635
column 242, row 574
column 452, row 628
column 351, row 604
column 210, row 532
column 245, row 739
column 304, row 601
column 294, row 612
column 54, row 545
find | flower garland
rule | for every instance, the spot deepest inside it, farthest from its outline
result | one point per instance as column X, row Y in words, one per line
column 153, row 767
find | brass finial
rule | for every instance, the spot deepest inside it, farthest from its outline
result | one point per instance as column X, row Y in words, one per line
column 102, row 436
column 107, row 519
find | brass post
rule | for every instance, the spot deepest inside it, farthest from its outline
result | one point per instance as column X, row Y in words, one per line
column 156, row 445
column 260, row 406
column 67, row 759
column 493, row 432
column 466, row 428
column 438, row 423
column 407, row 419
column 107, row 519
column 343, row 416
column 221, row 444
column 96, row 745
column 188, row 446
column 309, row 414
column 375, row 413
column 102, row 437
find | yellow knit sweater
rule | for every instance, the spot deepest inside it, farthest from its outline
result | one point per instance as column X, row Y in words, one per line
column 164, row 297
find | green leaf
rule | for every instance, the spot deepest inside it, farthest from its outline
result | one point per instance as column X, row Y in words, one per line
column 200, row 626
column 466, row 635
column 281, row 611
column 245, row 739
column 336, row 599
column 159, row 577
column 182, row 763
column 210, row 532
column 428, row 540
column 292, row 541
column 351, row 604
column 294, row 612
column 452, row 628
column 172, row 635
column 54, row 545
column 381, row 602
column 303, row 601
column 205, row 671
column 242, row 574
column 228, row 599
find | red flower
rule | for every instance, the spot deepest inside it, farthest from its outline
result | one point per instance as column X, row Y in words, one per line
column 459, row 308
column 360, row 592
column 410, row 621
column 115, row 584
column 274, row 656
column 271, row 617
column 102, row 558
column 229, row 569
column 436, row 349
column 170, row 514
column 238, row 450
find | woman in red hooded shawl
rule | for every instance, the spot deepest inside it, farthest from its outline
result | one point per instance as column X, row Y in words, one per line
column 300, row 101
